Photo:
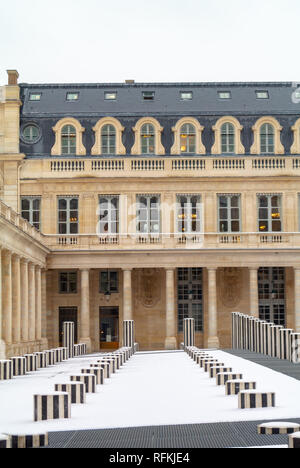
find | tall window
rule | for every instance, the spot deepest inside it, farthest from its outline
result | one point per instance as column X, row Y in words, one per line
column 109, row 281
column 68, row 215
column 227, row 138
column 267, row 139
column 31, row 210
column 271, row 293
column 229, row 213
column 190, row 296
column 188, row 214
column 147, row 139
column 108, row 214
column 188, row 139
column 108, row 139
column 68, row 140
column 68, row 282
column 148, row 214
column 269, row 213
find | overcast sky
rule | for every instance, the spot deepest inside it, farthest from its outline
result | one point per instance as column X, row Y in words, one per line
column 154, row 40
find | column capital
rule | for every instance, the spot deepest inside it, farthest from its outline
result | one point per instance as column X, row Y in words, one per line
column 127, row 269
column 213, row 268
column 254, row 267
column 7, row 253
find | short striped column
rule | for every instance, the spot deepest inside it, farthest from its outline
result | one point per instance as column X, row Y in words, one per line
column 116, row 359
column 111, row 362
column 97, row 371
column 295, row 347
column 214, row 371
column 276, row 428
column 294, row 440
column 41, row 359
column 89, row 381
column 204, row 360
column 200, row 357
column 285, row 340
column 252, row 334
column 50, row 357
column 189, row 332
column 18, row 365
column 68, row 337
column 234, row 330
column 250, row 399
column 105, row 366
column 29, row 441
column 223, row 377
column 5, row 441
column 56, row 405
column 234, row 387
column 212, row 363
column 76, row 390
column 76, row 350
column 31, row 362
column 82, row 349
column 275, row 340
column 265, row 337
column 64, row 353
column 128, row 333
column 58, row 355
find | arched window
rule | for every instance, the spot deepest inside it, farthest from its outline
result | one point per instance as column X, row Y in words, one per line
column 68, row 140
column 108, row 139
column 147, row 139
column 227, row 138
column 187, row 139
column 295, row 148
column 267, row 139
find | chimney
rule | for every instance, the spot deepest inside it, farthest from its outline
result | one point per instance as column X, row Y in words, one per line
column 129, row 81
column 13, row 76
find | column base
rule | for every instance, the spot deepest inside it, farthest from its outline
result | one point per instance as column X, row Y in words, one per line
column 2, row 350
column 171, row 343
column 88, row 343
column 213, row 342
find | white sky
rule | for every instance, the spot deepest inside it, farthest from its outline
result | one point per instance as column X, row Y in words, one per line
column 150, row 40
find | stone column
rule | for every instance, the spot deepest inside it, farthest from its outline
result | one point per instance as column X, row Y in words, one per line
column 2, row 343
column 127, row 295
column 31, row 302
column 7, row 297
column 16, row 299
column 297, row 299
column 38, row 303
column 213, row 340
column 85, row 310
column 170, row 341
column 24, row 295
column 44, row 340
column 254, row 309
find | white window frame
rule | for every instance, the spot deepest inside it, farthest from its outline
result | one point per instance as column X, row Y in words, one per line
column 187, row 212
column 113, row 224
column 68, row 210
column 229, row 218
column 31, row 199
column 269, row 208
column 150, row 211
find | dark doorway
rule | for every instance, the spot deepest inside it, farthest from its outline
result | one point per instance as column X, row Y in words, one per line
column 109, row 327
column 67, row 314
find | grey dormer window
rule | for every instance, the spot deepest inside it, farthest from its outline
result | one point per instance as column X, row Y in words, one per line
column 72, row 96
column 35, row 97
column 68, row 140
column 148, row 95
column 110, row 96
column 224, row 94
column 262, row 94
column 186, row 95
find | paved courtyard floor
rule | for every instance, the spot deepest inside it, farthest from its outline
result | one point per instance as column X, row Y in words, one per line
column 158, row 399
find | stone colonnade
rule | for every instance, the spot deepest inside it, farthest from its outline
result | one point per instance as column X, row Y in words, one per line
column 22, row 287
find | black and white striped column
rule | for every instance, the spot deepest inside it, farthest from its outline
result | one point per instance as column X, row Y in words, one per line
column 223, row 377
column 31, row 362
column 234, row 387
column 68, row 338
column 18, row 365
column 207, row 365
column 250, row 399
column 294, row 440
column 189, row 332
column 295, row 347
column 285, row 340
column 89, row 381
column 275, row 428
column 50, row 357
column 55, row 405
column 128, row 333
column 41, row 359
column 275, row 340
column 97, row 371
column 5, row 441
column 76, row 390
column 214, row 371
column 29, row 441
column 111, row 362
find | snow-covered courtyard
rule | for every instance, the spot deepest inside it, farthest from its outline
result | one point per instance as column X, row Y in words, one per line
column 150, row 389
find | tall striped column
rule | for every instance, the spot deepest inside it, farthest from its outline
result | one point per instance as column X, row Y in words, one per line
column 189, row 332
column 68, row 335
column 295, row 347
column 128, row 333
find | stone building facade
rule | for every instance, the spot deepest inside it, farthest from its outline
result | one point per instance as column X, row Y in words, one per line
column 151, row 202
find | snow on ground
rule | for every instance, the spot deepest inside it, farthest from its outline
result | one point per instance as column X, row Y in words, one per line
column 150, row 389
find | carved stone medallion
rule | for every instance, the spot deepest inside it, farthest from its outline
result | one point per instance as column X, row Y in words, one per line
column 149, row 287
column 231, row 286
